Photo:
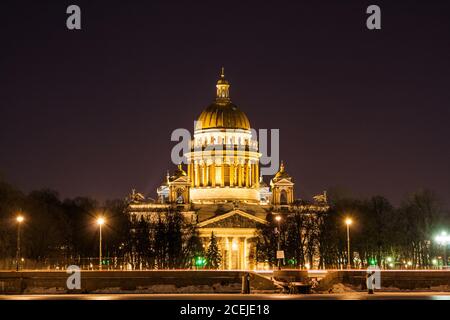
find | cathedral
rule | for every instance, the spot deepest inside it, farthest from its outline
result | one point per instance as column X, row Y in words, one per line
column 220, row 189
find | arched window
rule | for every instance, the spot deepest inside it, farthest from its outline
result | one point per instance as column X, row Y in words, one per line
column 180, row 198
column 283, row 197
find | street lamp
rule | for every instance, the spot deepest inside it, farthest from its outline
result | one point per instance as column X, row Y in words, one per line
column 348, row 222
column 278, row 218
column 100, row 222
column 19, row 220
column 443, row 239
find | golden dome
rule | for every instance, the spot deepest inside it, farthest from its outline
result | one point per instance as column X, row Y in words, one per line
column 179, row 172
column 222, row 113
column 222, row 116
column 281, row 174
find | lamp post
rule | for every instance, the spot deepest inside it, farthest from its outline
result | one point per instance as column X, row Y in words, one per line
column 100, row 222
column 19, row 220
column 348, row 222
column 443, row 239
column 278, row 218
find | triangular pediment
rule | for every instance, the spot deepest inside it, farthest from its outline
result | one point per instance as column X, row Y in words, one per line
column 282, row 182
column 233, row 219
column 180, row 180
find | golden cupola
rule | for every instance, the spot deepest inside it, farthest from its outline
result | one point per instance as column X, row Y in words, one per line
column 223, row 164
column 222, row 113
column 282, row 174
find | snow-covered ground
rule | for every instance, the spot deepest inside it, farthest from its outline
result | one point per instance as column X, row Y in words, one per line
column 345, row 288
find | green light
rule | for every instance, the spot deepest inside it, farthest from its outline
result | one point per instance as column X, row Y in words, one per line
column 292, row 261
column 373, row 262
column 200, row 261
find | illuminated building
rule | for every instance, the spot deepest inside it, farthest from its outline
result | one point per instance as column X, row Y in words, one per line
column 221, row 190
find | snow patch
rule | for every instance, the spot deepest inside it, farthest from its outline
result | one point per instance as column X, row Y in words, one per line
column 441, row 288
column 340, row 288
column 170, row 288
column 43, row 290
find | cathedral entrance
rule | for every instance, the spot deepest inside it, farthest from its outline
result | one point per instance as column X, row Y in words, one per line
column 234, row 232
column 234, row 253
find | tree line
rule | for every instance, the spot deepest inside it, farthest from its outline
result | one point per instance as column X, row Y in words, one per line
column 380, row 234
column 57, row 232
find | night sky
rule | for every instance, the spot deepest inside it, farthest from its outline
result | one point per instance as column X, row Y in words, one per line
column 91, row 112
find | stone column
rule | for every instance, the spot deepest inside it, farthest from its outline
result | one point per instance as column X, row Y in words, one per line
column 245, row 254
column 213, row 174
column 250, row 174
column 190, row 173
column 241, row 253
column 239, row 173
column 247, row 174
column 231, row 174
column 230, row 253
column 223, row 247
column 204, row 182
column 223, row 174
column 197, row 178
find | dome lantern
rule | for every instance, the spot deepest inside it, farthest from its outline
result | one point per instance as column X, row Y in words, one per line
column 223, row 89
column 222, row 113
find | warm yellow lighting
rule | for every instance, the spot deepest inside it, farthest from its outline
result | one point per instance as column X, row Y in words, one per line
column 348, row 221
column 278, row 218
column 20, row 219
column 234, row 246
column 100, row 221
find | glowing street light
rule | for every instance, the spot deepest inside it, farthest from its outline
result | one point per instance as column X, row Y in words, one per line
column 348, row 222
column 278, row 219
column 443, row 239
column 100, row 222
column 19, row 220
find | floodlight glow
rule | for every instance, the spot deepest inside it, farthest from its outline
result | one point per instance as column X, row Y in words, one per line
column 443, row 238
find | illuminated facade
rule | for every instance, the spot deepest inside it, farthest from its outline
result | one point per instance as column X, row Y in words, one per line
column 221, row 190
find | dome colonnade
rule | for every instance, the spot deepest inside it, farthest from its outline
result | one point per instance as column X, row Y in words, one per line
column 223, row 163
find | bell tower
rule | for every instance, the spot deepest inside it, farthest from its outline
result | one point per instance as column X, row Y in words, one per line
column 179, row 186
column 282, row 188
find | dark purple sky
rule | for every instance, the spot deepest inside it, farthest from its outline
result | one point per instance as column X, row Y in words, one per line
column 90, row 112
